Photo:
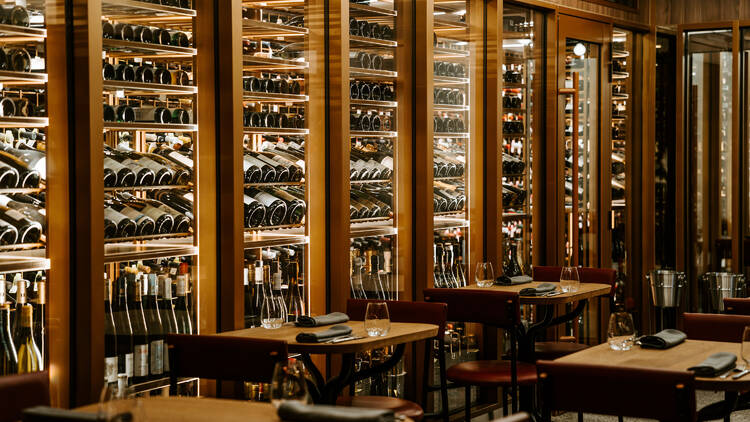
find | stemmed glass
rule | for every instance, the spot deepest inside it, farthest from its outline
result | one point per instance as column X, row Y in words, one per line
column 621, row 333
column 288, row 383
column 569, row 280
column 484, row 275
column 377, row 319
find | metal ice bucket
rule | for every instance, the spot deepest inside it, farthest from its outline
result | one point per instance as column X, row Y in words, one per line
column 666, row 287
column 718, row 286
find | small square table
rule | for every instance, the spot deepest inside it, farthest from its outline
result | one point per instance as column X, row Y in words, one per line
column 326, row 392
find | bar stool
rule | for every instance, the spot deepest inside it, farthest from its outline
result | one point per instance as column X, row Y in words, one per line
column 413, row 312
column 493, row 308
column 223, row 358
column 551, row 350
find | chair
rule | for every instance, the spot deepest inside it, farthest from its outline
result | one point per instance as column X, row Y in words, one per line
column 667, row 396
column 551, row 350
column 715, row 327
column 223, row 358
column 414, row 312
column 493, row 308
column 19, row 392
column 737, row 306
column 518, row 417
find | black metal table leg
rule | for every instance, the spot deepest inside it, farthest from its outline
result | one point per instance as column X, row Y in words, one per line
column 334, row 385
column 720, row 410
column 315, row 386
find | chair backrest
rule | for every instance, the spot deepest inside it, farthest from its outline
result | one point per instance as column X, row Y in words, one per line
column 19, row 392
column 715, row 327
column 586, row 274
column 208, row 356
column 490, row 307
column 518, row 417
column 403, row 311
column 606, row 390
column 53, row 414
column 737, row 306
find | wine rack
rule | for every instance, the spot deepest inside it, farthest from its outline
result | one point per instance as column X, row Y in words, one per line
column 452, row 67
column 522, row 87
column 622, row 93
column 375, row 136
column 24, row 125
column 275, row 144
column 150, row 151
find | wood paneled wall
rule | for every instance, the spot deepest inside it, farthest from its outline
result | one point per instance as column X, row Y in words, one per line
column 677, row 12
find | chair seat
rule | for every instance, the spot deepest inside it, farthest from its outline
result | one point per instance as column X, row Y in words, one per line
column 551, row 350
column 400, row 407
column 490, row 373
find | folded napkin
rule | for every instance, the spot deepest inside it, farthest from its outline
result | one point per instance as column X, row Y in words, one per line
column 716, row 364
column 46, row 413
column 664, row 339
column 297, row 412
column 321, row 336
column 538, row 290
column 329, row 319
column 504, row 280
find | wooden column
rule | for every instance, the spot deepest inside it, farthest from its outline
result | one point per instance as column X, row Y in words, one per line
column 493, row 134
column 645, row 228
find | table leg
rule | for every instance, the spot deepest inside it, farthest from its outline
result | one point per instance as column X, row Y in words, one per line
column 720, row 410
column 316, row 385
column 334, row 386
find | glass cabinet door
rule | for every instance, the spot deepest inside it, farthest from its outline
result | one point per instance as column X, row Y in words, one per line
column 745, row 140
column 581, row 147
column 708, row 129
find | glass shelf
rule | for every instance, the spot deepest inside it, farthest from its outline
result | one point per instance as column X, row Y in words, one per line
column 141, row 88
column 122, row 48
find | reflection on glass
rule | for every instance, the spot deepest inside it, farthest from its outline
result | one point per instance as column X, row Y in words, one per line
column 745, row 75
column 582, row 217
column 708, row 108
column 622, row 46
column 522, row 52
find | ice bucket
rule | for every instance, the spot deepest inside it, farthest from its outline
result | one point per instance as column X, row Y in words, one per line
column 719, row 285
column 666, row 287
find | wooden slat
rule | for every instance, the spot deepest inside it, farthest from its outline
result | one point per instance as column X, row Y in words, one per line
column 585, row 291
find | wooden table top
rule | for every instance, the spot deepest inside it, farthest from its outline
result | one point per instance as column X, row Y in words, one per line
column 400, row 332
column 586, row 291
column 678, row 358
column 195, row 409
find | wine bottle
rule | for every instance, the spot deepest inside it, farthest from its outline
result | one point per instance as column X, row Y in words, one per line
column 110, row 336
column 154, row 327
column 30, row 164
column 181, row 222
column 296, row 172
column 182, row 315
column 15, row 15
column 38, row 300
column 109, row 113
column 144, row 74
column 32, row 212
column 29, row 231
column 123, row 225
column 164, row 222
column 145, row 225
column 124, row 72
column 123, row 329
column 166, row 312
column 275, row 208
column 162, row 76
column 138, row 323
column 180, row 39
column 294, row 301
column 163, row 174
column 181, row 175
column 108, row 71
column 29, row 357
column 176, row 201
column 161, row 36
column 125, row 113
column 124, row 32
column 296, row 207
column 258, row 293
column 180, row 116
column 8, row 355
column 144, row 176
column 281, row 172
column 255, row 212
column 19, row 60
column 250, row 312
column 152, row 114
column 143, row 34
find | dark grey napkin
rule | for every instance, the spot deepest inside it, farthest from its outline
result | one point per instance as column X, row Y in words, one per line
column 329, row 319
column 664, row 339
column 716, row 364
column 52, row 414
column 297, row 412
column 321, row 336
column 538, row 290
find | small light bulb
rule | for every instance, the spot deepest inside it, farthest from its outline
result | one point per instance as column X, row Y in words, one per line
column 579, row 49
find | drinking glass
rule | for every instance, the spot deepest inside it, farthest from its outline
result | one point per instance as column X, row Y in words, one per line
column 569, row 281
column 271, row 313
column 114, row 405
column 484, row 275
column 377, row 320
column 621, row 333
column 745, row 351
column 288, row 383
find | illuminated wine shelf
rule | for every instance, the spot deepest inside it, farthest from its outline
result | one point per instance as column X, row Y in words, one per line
column 129, row 251
column 372, row 73
column 274, row 97
column 26, row 122
column 11, row 77
column 141, row 88
column 275, row 131
column 253, row 28
column 372, row 133
column 122, row 48
column 373, row 103
column 450, row 107
column 449, row 52
column 130, row 9
column 358, row 41
column 19, row 34
column 145, row 188
column 25, row 260
column 259, row 63
column 449, row 80
column 150, row 127
column 451, row 134
column 359, row 9
column 262, row 239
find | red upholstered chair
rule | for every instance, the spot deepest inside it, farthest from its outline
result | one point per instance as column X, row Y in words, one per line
column 551, row 350
column 492, row 308
column 737, row 306
column 207, row 356
column 518, row 417
column 414, row 312
column 18, row 392
column 667, row 396
column 715, row 327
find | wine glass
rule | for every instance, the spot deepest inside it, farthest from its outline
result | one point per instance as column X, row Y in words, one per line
column 271, row 313
column 484, row 275
column 377, row 320
column 288, row 383
column 621, row 333
column 745, row 351
column 114, row 405
column 569, row 281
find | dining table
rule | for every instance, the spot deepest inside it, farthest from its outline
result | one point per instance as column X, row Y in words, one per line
column 326, row 391
column 679, row 358
column 193, row 409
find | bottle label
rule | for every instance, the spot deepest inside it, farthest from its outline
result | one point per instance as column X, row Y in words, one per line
column 157, row 357
column 166, row 290
column 165, row 360
column 246, row 276
column 110, row 369
column 181, row 285
column 246, row 165
column 14, row 214
column 140, row 367
column 129, row 365
column 185, row 161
